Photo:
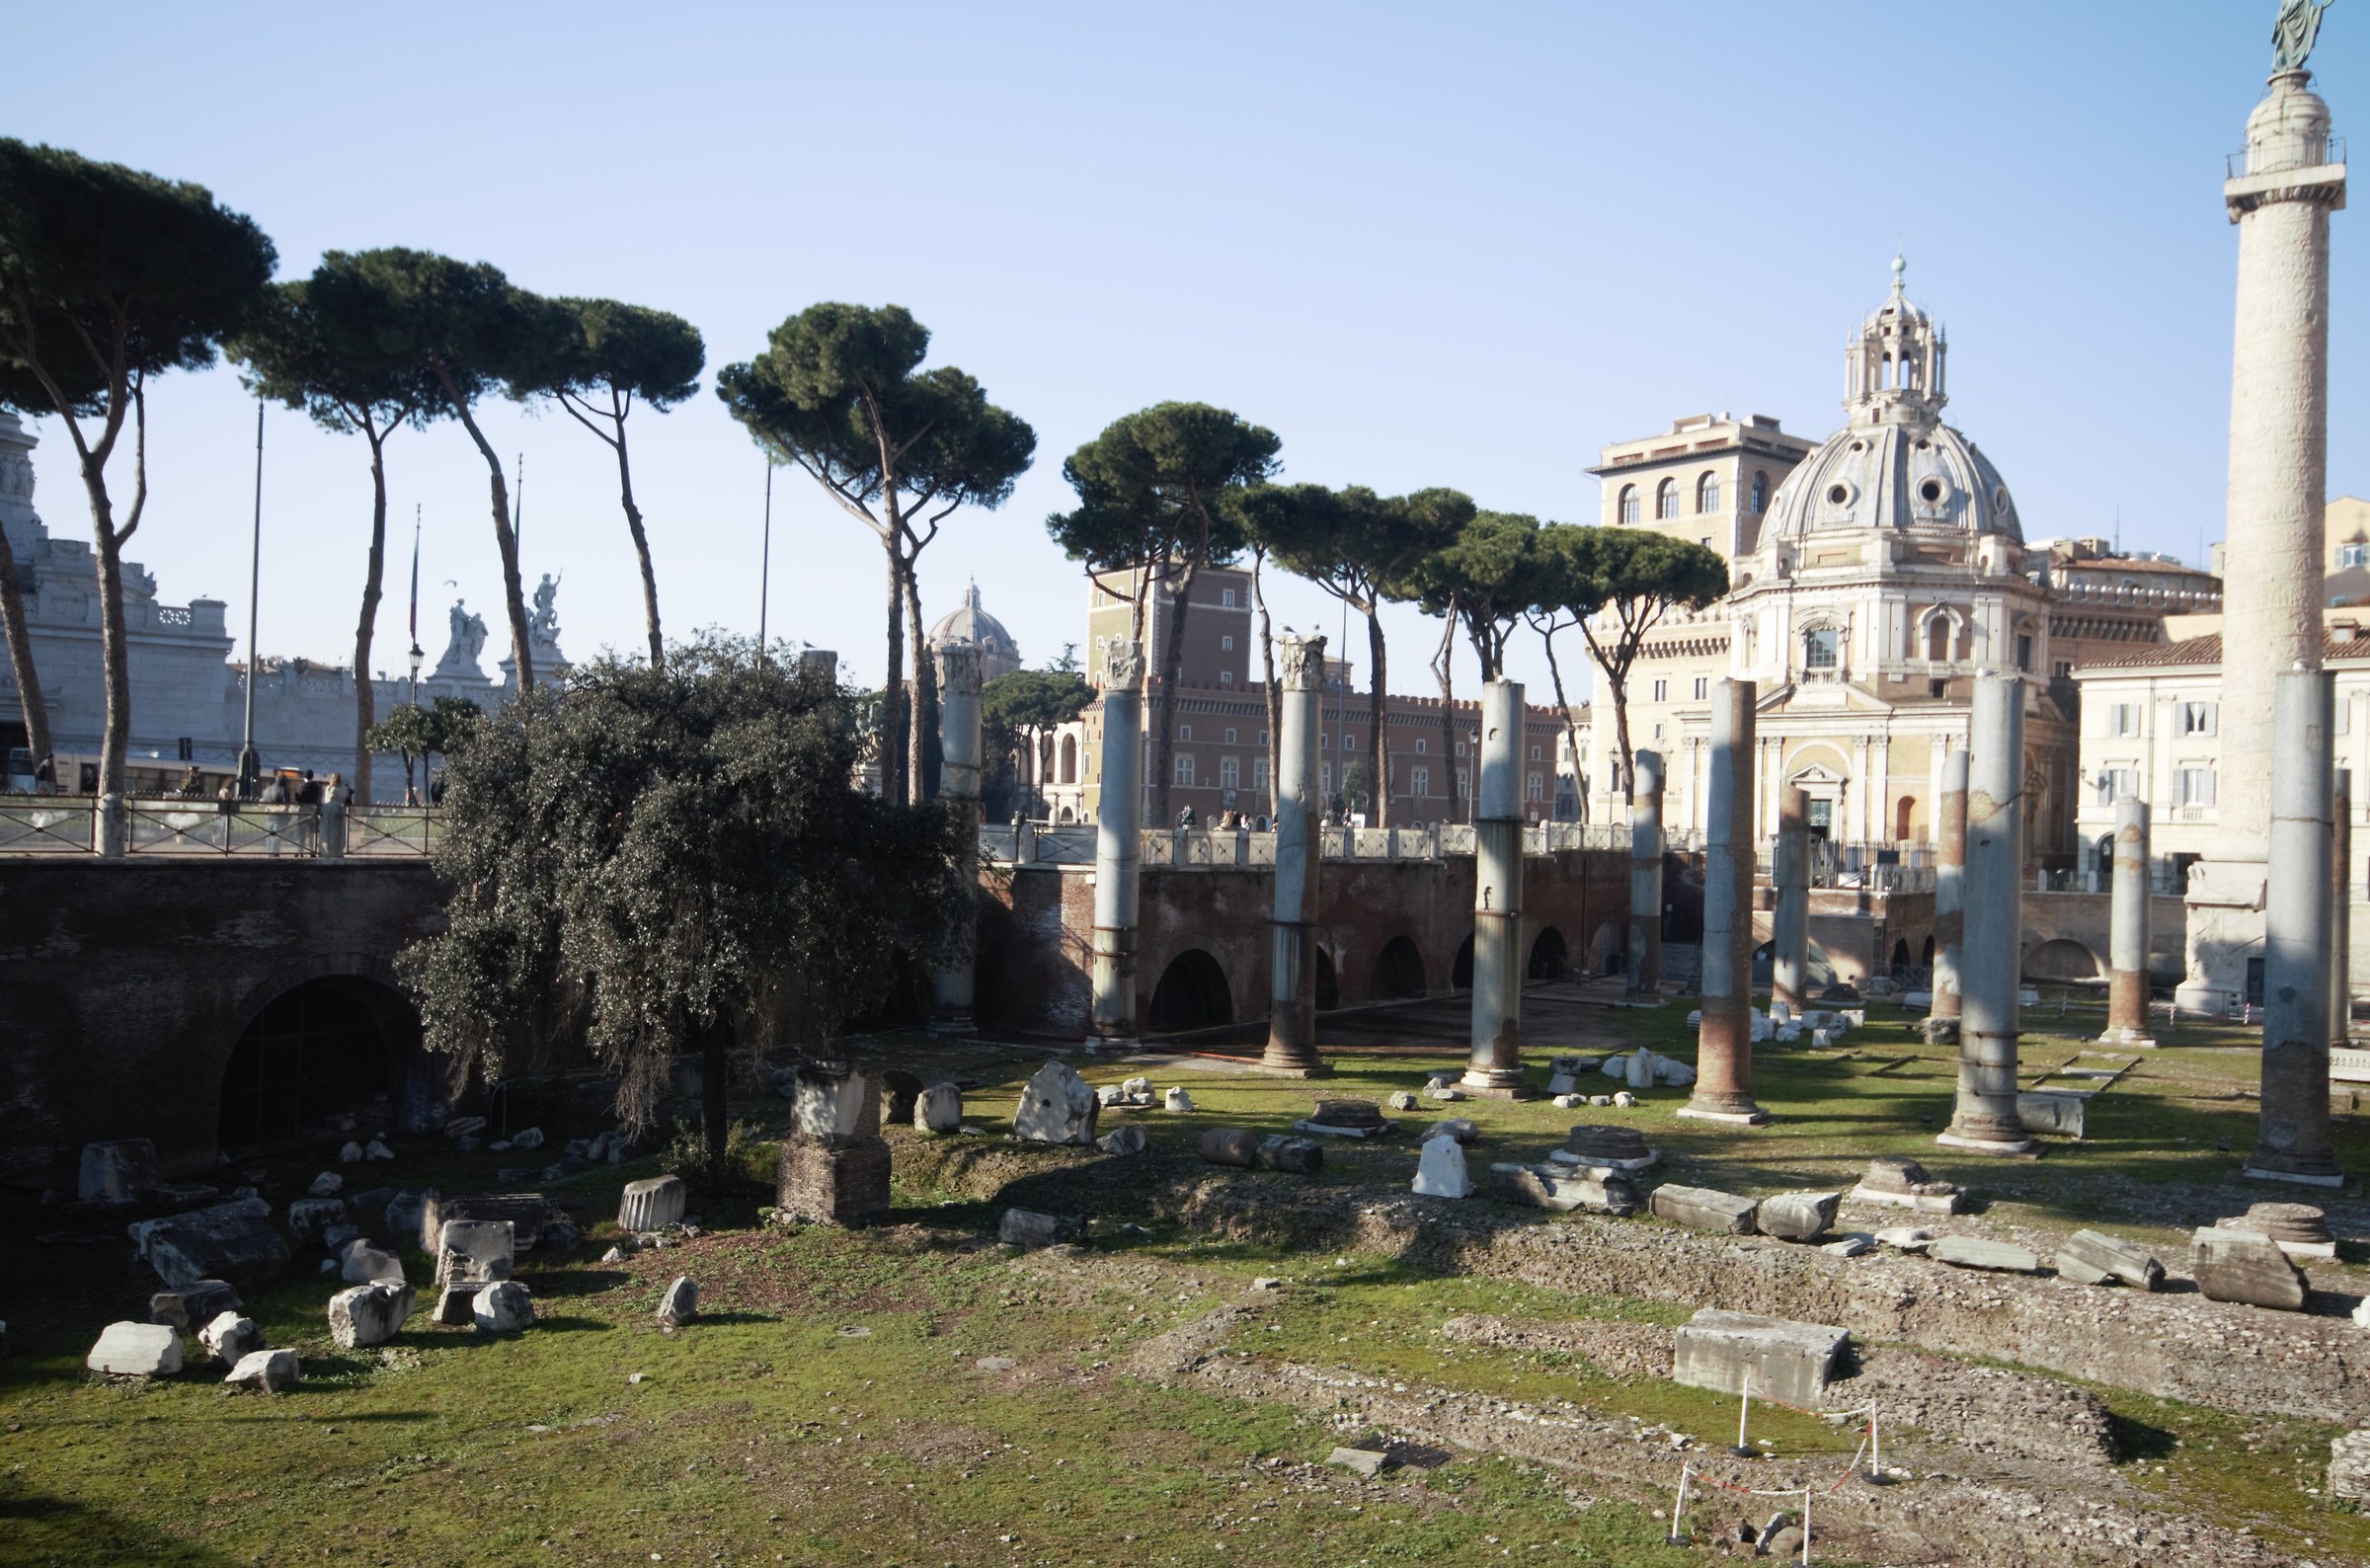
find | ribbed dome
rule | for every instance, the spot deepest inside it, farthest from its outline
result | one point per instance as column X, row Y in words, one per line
column 1923, row 474
column 1000, row 655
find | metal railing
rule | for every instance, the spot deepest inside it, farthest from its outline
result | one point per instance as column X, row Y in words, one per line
column 71, row 824
column 39, row 825
column 2238, row 165
column 1035, row 845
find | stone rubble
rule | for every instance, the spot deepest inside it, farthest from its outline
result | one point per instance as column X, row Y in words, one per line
column 503, row 1307
column 1129, row 1140
column 228, row 1337
column 2087, row 1257
column 1056, row 1106
column 234, row 1242
column 199, row 1301
column 1176, row 1100
column 369, row 1314
column 681, row 1304
column 1774, row 1357
column 268, row 1372
column 1971, row 1252
column 326, row 1185
column 2245, row 1265
column 939, row 1108
column 1441, row 1172
column 117, row 1171
column 1798, row 1216
column 1902, row 1183
column 1704, row 1208
column 135, row 1350
column 1030, row 1228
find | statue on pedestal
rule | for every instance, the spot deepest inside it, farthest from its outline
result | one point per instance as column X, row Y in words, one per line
column 2293, row 33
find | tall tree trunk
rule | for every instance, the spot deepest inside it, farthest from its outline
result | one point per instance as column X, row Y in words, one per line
column 20, row 659
column 366, row 696
column 507, row 542
column 715, row 1074
column 893, row 685
column 924, row 744
column 1172, row 663
column 1444, row 666
column 1376, row 715
column 1275, row 698
column 633, row 525
column 1563, row 709
column 114, row 647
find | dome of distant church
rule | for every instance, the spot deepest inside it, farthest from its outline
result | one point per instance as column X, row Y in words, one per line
column 1000, row 655
column 1895, row 464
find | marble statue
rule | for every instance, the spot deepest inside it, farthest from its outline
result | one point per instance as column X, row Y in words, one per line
column 468, row 640
column 546, row 621
column 2293, row 33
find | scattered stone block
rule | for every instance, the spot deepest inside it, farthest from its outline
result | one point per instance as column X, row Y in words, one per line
column 1229, row 1145
column 475, row 1253
column 1902, row 1183
column 1368, row 1462
column 1441, row 1172
column 1110, row 1094
column 351, row 1154
column 228, row 1337
column 2052, row 1111
column 1030, row 1228
column 135, row 1350
column 1138, row 1090
column 2089, row 1258
column 1056, row 1106
column 2349, row 1466
column 234, row 1242
column 1851, row 1246
column 310, row 1219
column 1601, row 1101
column 1798, row 1216
column 532, row 1137
column 199, row 1301
column 1564, row 1189
column 835, row 1100
column 1176, row 1100
column 681, row 1304
column 464, row 1126
column 337, row 1237
column 326, row 1185
column 527, row 1213
column 366, row 1265
column 900, row 1091
column 1294, row 1157
column 1347, row 1118
column 1128, row 1139
column 835, row 1183
column 1973, row 1252
column 401, row 1221
column 652, row 1204
column 1624, row 1099
column 264, row 1372
column 2245, row 1266
column 1776, row 1357
column 503, row 1307
column 376, row 1150
column 1403, row 1100
column 1568, row 1102
column 369, row 1314
column 1704, row 1208
column 1462, row 1129
column 116, row 1171
column 939, row 1109
column 1607, row 1147
column 1443, row 1093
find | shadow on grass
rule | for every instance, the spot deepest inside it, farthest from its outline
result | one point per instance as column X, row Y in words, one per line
column 56, row 1528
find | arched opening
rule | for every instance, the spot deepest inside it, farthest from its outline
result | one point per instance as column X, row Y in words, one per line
column 1399, row 972
column 1460, row 974
column 1606, row 947
column 1938, row 638
column 1819, row 648
column 2061, row 960
column 1900, row 960
column 1905, row 818
column 1666, row 499
column 1192, row 994
column 1068, row 815
column 1707, row 492
column 1070, row 760
column 329, row 1045
column 1926, row 955
column 1328, row 988
column 1760, row 491
column 1550, row 958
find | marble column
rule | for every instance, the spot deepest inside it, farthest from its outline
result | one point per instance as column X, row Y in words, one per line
column 959, row 786
column 1724, row 1048
column 1983, row 1120
column 1496, row 1065
column 2292, row 1136
column 2340, row 909
column 1646, row 876
column 2127, row 929
column 1292, row 1004
column 1949, row 897
column 1789, row 919
column 1118, row 843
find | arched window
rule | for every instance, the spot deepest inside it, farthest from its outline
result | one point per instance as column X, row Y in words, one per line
column 1666, row 499
column 1761, row 491
column 1070, row 760
column 1938, row 638
column 1628, row 512
column 1707, row 492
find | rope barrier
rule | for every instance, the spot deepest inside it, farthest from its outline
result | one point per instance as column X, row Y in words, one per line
column 1868, row 1440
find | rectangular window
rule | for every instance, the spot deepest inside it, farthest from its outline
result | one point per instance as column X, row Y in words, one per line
column 1536, row 789
column 1226, row 678
column 1185, row 770
column 1535, row 754
column 2024, row 650
column 1263, row 738
column 1184, row 732
column 2353, row 555
column 1421, row 746
column 1658, row 732
column 2196, row 718
column 1225, row 598
column 2123, row 719
column 1230, row 734
column 2344, row 711
column 1230, row 772
column 2193, row 786
column 1259, row 774
column 2116, row 782
column 1325, row 742
column 1419, row 780
column 2064, row 668
column 1662, row 691
column 1702, row 687
column 1460, row 749
column 1465, row 785
column 1324, row 777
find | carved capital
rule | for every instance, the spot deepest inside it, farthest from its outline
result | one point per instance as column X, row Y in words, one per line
column 1123, row 663
column 1301, row 663
column 957, row 668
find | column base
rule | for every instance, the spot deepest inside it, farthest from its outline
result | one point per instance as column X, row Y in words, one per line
column 952, row 1024
column 1114, row 1043
column 1497, row 1083
column 2255, row 1171
column 1753, row 1116
column 1996, row 1147
column 1294, row 1066
column 2128, row 1039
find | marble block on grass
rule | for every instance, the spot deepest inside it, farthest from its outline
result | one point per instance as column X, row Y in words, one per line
column 1056, row 1106
column 1441, row 1172
column 1973, row 1252
column 1704, row 1208
column 369, row 1314
column 652, row 1204
column 135, row 1350
column 2089, row 1258
column 264, row 1372
column 1776, row 1357
column 116, row 1171
column 1798, row 1216
column 2245, row 1265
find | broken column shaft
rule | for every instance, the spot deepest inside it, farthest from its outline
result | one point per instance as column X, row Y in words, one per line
column 1789, row 919
column 1983, row 1120
column 2340, row 908
column 1645, row 875
column 2127, row 929
column 1117, row 842
column 2292, row 1135
column 955, row 984
column 1724, row 1048
column 1949, row 897
column 1496, row 1065
column 1292, row 1006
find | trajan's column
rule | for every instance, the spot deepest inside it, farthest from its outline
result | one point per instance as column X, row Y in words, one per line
column 2280, row 197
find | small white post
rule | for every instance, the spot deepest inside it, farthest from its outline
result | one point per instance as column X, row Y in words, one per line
column 1743, row 1405
column 1678, row 1537
column 1806, row 1528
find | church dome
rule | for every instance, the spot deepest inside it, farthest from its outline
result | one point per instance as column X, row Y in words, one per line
column 1000, row 655
column 1895, row 464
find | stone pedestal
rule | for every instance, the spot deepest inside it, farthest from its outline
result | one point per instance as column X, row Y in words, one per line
column 1495, row 1068
column 834, row 1181
column 1291, row 1003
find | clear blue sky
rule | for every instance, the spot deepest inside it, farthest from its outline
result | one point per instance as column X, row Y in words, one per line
column 1427, row 245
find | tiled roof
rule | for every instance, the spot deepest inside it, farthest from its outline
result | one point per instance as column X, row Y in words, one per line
column 2205, row 653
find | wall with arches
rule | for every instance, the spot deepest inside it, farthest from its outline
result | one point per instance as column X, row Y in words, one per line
column 188, row 954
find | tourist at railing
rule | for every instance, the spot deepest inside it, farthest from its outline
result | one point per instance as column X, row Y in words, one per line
column 44, row 775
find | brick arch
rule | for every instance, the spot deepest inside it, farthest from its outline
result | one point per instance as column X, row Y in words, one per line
column 423, row 1086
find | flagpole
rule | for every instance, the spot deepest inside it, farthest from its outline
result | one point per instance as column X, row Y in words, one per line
column 416, row 654
column 518, row 509
column 765, row 560
column 250, row 765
